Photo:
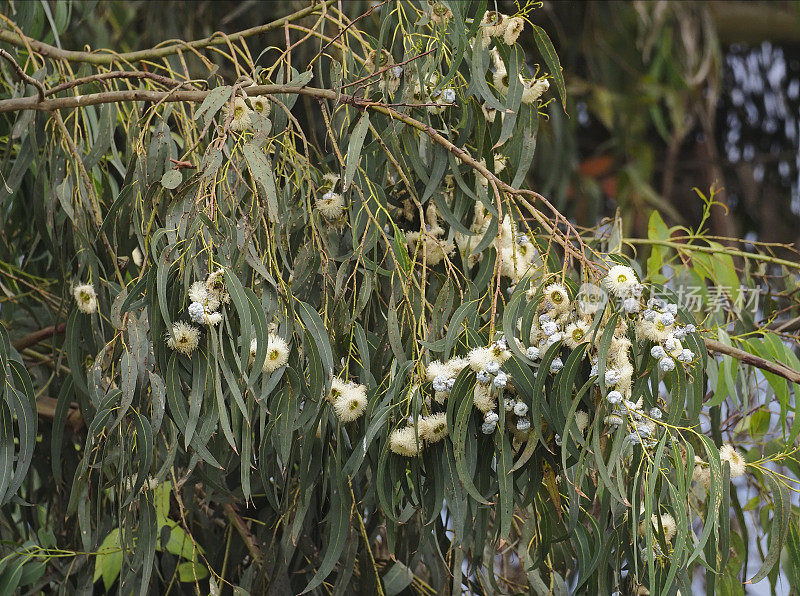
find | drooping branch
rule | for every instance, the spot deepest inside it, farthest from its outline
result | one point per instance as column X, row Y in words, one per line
column 115, row 74
column 156, row 52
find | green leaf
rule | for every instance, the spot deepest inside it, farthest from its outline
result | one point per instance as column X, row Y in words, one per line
column 191, row 571
column 108, row 560
column 339, row 532
column 782, row 516
column 144, row 455
column 354, row 149
column 262, row 172
column 171, row 179
column 551, row 59
column 215, row 99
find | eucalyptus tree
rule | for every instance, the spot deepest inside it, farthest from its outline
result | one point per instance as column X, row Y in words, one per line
column 307, row 329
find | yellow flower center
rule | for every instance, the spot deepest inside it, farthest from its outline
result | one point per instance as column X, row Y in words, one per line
column 577, row 335
column 259, row 107
column 622, row 278
column 354, row 405
column 238, row 113
column 556, row 297
column 274, row 354
column 439, row 428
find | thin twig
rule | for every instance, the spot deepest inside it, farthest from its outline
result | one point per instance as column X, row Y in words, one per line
column 244, row 532
column 156, row 52
column 23, row 75
column 115, row 74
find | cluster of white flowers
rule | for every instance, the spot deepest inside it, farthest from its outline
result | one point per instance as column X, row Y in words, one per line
column 518, row 254
column 86, row 298
column 277, row 352
column 206, row 297
column 640, row 424
column 443, row 376
column 657, row 323
column 349, row 399
column 241, row 111
column 409, row 441
column 330, row 203
column 496, row 24
column 532, row 89
column 436, row 100
column 431, row 239
column 727, row 453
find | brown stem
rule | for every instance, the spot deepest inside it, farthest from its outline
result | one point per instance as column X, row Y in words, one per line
column 34, row 338
column 46, row 408
column 244, row 532
column 774, row 367
column 115, row 74
column 157, row 52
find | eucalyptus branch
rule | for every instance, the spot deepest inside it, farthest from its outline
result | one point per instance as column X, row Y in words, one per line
column 34, row 338
column 156, row 52
column 116, row 74
column 244, row 532
column 711, row 250
column 774, row 367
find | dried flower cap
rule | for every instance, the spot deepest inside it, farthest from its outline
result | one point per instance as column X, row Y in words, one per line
column 378, row 60
column 493, row 23
column 86, row 298
column 439, row 12
column 513, row 28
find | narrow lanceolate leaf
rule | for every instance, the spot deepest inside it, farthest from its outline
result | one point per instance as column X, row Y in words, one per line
column 261, row 169
column 129, row 372
column 782, row 517
column 27, row 423
column 6, row 449
column 339, row 531
column 144, row 455
column 551, row 59
column 313, row 324
column 459, row 410
column 505, row 480
column 354, row 149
